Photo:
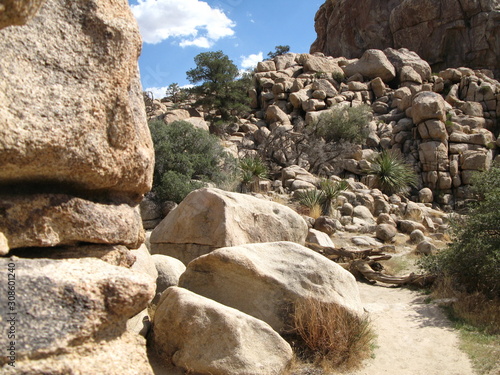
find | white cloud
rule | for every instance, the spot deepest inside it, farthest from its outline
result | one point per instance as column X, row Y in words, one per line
column 194, row 22
column 161, row 92
column 251, row 61
column 201, row 42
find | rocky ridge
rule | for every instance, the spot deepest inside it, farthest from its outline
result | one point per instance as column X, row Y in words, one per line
column 446, row 33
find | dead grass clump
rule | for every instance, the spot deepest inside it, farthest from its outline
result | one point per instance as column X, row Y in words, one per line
column 329, row 336
column 470, row 308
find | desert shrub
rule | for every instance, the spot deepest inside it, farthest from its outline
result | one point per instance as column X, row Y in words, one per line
column 331, row 190
column 392, row 174
column 312, row 199
column 185, row 159
column 252, row 170
column 321, row 200
column 472, row 260
column 344, row 124
column 329, row 335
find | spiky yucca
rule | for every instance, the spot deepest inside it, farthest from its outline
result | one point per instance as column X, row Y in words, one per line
column 392, row 174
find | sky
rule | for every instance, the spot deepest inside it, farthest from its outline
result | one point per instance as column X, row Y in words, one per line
column 175, row 31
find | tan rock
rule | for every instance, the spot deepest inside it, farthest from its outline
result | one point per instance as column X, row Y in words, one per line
column 319, row 238
column 47, row 220
column 71, row 107
column 433, row 129
column 15, row 12
column 434, row 156
column 77, row 308
column 317, row 64
column 211, row 218
column 476, row 160
column 402, row 59
column 275, row 114
column 206, row 337
column 169, row 271
column 263, row 279
column 266, row 66
column 371, row 65
column 428, row 105
column 385, row 232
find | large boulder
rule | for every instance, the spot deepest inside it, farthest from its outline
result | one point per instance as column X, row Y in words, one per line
column 72, row 121
column 203, row 336
column 208, row 219
column 69, row 313
column 372, row 64
column 265, row 280
column 74, row 116
column 403, row 58
column 46, row 220
column 15, row 12
column 428, row 106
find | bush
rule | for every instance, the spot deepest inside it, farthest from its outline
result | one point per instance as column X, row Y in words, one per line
column 344, row 124
column 330, row 336
column 252, row 170
column 472, row 261
column 186, row 158
column 392, row 174
column 321, row 200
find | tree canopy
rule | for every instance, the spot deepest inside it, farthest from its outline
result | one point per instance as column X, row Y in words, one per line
column 278, row 50
column 220, row 88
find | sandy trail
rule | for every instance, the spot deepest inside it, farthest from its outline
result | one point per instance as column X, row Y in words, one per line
column 413, row 338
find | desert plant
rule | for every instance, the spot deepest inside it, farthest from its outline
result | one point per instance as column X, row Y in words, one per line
column 344, row 124
column 331, row 190
column 472, row 260
column 312, row 199
column 278, row 51
column 252, row 171
column 392, row 174
column 186, row 158
column 329, row 335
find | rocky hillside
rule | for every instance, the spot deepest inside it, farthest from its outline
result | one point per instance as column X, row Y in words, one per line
column 445, row 124
column 445, row 33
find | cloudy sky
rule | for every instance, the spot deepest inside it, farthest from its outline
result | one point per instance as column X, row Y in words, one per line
column 175, row 31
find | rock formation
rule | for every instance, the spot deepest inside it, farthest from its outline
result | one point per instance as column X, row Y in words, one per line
column 72, row 124
column 446, row 33
column 76, row 158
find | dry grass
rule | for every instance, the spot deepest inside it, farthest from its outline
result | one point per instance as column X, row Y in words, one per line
column 315, row 211
column 478, row 319
column 329, row 336
column 474, row 309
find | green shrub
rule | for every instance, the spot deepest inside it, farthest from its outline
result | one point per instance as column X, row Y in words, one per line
column 186, row 158
column 331, row 190
column 392, row 174
column 472, row 261
column 252, row 170
column 344, row 124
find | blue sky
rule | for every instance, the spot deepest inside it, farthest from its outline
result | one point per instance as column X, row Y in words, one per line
column 175, row 31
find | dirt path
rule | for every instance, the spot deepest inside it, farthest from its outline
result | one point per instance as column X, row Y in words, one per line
column 413, row 338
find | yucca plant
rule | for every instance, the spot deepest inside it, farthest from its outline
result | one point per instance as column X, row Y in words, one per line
column 392, row 174
column 331, row 190
column 312, row 199
column 253, row 170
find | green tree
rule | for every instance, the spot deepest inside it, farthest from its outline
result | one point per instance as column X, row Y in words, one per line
column 473, row 258
column 186, row 159
column 278, row 50
column 173, row 91
column 220, row 89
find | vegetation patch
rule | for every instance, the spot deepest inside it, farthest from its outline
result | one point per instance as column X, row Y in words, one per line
column 329, row 336
column 186, row 158
column 344, row 124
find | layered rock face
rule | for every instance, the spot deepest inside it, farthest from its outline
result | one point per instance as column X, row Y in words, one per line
column 76, row 158
column 72, row 121
column 446, row 33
